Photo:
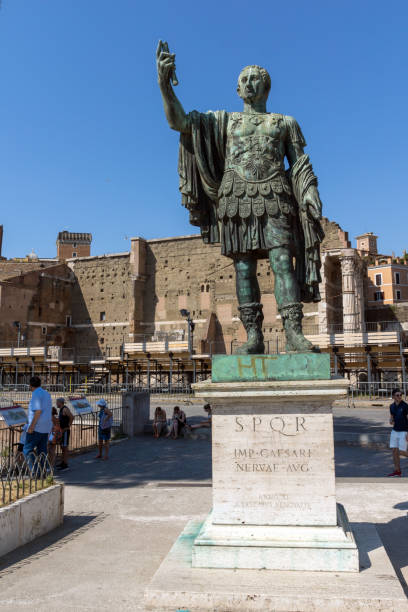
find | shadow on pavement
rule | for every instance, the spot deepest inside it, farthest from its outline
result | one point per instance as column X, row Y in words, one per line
column 356, row 424
column 394, row 536
column 74, row 525
column 363, row 462
column 142, row 460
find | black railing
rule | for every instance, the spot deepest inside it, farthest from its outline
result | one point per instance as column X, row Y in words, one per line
column 84, row 429
column 20, row 477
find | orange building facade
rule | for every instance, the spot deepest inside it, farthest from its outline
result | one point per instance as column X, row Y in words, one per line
column 387, row 283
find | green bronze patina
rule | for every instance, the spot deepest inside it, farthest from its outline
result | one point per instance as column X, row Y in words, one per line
column 234, row 183
column 251, row 368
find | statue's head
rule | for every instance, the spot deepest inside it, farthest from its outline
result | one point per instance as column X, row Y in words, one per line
column 254, row 83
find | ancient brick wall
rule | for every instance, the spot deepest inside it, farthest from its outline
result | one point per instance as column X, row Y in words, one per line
column 101, row 303
column 184, row 272
column 41, row 301
column 335, row 237
column 393, row 312
column 119, row 297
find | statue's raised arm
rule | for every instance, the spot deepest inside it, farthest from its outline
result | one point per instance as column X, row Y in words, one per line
column 166, row 68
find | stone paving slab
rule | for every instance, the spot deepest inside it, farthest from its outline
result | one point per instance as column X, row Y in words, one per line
column 124, row 515
column 177, row 585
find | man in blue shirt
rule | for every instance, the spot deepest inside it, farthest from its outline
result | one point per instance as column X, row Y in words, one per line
column 399, row 432
column 39, row 420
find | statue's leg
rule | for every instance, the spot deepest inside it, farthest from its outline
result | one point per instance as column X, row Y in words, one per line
column 288, row 299
column 250, row 307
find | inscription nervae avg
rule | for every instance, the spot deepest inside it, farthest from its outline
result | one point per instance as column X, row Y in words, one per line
column 273, row 469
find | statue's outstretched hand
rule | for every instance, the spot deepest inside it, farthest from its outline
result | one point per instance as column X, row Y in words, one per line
column 165, row 62
column 312, row 202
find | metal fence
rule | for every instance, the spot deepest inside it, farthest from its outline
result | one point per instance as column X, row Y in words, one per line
column 20, row 478
column 98, row 389
column 84, row 429
column 376, row 390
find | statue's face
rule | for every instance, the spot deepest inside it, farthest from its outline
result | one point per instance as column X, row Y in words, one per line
column 251, row 86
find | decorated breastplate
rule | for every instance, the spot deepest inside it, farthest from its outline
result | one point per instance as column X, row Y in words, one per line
column 254, row 179
column 255, row 157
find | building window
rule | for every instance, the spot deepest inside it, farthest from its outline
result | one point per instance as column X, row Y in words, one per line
column 74, row 245
column 102, row 340
column 397, row 278
column 378, row 280
column 379, row 296
column 102, row 316
column 44, row 331
column 68, row 320
column 74, row 254
column 398, row 294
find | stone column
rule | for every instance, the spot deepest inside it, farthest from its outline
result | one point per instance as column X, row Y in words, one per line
column 351, row 321
column 360, row 293
column 322, row 305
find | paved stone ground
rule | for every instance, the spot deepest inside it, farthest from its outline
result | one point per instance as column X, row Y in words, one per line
column 123, row 516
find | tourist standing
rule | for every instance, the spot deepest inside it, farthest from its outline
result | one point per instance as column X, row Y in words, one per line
column 65, row 417
column 39, row 421
column 399, row 432
column 105, row 419
column 55, row 436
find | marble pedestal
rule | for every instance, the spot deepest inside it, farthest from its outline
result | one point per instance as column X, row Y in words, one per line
column 274, row 501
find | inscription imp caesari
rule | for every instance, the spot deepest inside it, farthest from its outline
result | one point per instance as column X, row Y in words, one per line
column 268, row 453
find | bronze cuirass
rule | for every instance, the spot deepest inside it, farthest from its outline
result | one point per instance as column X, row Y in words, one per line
column 254, row 177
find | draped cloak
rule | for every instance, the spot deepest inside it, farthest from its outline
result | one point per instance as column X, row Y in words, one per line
column 201, row 169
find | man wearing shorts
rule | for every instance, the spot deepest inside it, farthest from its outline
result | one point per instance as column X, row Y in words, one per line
column 399, row 432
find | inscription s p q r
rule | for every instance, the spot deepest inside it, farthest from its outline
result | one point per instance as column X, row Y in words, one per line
column 286, row 426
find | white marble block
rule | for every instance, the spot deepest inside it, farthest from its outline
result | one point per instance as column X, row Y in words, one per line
column 273, row 468
column 274, row 499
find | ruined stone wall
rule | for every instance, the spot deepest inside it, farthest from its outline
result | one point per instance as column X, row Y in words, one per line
column 101, row 303
column 41, row 301
column 185, row 273
column 393, row 312
column 335, row 237
column 119, row 297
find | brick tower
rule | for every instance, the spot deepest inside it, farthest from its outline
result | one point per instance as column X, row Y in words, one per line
column 73, row 244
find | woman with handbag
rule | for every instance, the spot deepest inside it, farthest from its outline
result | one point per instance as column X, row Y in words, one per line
column 105, row 418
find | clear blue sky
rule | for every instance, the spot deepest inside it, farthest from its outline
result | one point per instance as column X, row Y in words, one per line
column 84, row 144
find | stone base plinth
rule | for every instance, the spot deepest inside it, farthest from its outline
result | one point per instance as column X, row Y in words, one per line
column 179, row 586
column 314, row 548
column 273, row 451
